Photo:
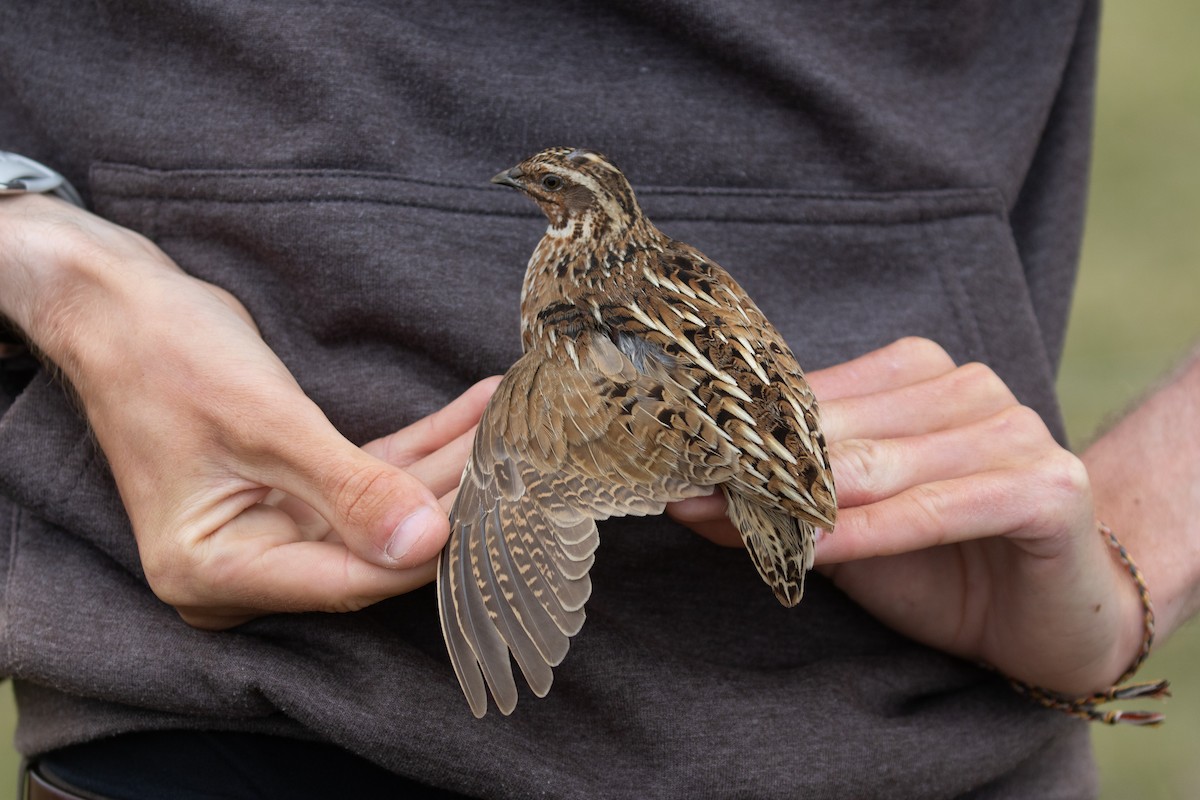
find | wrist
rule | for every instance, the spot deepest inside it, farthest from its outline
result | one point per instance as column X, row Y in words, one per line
column 21, row 262
column 42, row 263
column 1144, row 473
column 1135, row 630
column 68, row 278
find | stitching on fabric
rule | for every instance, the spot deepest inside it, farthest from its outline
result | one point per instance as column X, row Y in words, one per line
column 916, row 218
column 10, row 655
column 962, row 307
column 242, row 174
column 919, row 206
column 218, row 174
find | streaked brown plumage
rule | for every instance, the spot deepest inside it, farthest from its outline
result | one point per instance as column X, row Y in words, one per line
column 648, row 376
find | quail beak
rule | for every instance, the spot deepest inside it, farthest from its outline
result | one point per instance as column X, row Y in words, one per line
column 509, row 178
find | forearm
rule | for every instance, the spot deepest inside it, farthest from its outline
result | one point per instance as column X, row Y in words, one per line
column 66, row 275
column 21, row 275
column 1145, row 473
column 34, row 263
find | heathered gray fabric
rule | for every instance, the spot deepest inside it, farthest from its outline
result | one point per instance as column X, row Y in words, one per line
column 868, row 170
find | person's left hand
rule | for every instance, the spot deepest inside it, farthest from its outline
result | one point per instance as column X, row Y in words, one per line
column 962, row 523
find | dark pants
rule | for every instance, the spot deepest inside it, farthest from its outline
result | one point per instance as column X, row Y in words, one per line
column 190, row 765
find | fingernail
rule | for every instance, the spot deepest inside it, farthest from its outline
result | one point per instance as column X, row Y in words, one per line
column 819, row 534
column 410, row 531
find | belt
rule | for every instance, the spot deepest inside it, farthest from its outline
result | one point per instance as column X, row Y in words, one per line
column 35, row 786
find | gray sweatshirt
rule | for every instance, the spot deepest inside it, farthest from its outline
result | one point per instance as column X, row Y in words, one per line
column 867, row 170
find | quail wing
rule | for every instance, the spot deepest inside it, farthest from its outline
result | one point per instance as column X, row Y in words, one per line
column 560, row 445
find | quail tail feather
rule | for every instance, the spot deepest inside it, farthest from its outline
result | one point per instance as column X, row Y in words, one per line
column 780, row 545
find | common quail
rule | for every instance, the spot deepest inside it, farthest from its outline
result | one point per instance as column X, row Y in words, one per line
column 648, row 376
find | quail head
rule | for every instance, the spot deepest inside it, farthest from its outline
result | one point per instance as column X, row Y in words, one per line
column 648, row 376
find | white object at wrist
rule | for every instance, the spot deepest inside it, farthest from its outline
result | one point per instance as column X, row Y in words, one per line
column 19, row 175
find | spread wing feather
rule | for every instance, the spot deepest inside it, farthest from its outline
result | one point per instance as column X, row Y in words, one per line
column 558, row 448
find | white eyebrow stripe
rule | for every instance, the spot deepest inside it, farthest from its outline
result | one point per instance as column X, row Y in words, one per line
column 591, row 184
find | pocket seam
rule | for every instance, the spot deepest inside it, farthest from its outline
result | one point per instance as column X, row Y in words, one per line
column 774, row 206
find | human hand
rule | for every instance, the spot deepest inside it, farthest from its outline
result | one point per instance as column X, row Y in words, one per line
column 243, row 497
column 962, row 523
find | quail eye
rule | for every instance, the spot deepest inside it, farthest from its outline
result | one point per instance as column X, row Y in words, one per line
column 552, row 182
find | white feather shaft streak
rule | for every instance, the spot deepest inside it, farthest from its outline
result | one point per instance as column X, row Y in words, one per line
column 686, row 344
column 641, row 317
column 806, row 499
column 795, row 404
column 700, row 294
column 684, row 314
column 733, row 389
column 748, row 354
column 756, row 451
column 740, row 413
column 780, row 450
column 750, row 434
column 683, row 289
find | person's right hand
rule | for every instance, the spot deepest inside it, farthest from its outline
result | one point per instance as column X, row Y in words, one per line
column 962, row 523
column 201, row 423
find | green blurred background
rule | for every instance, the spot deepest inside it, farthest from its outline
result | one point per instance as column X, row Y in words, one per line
column 1136, row 314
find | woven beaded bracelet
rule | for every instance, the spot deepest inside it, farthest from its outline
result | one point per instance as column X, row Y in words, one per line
column 1086, row 707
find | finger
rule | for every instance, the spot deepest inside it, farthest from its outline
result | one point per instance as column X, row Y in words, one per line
column 442, row 469
column 447, row 500
column 253, row 565
column 870, row 470
column 309, row 524
column 1037, row 504
column 383, row 514
column 439, row 428
column 901, row 363
column 959, row 397
column 707, row 517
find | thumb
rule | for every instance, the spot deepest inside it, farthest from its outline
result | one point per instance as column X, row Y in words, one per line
column 383, row 514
